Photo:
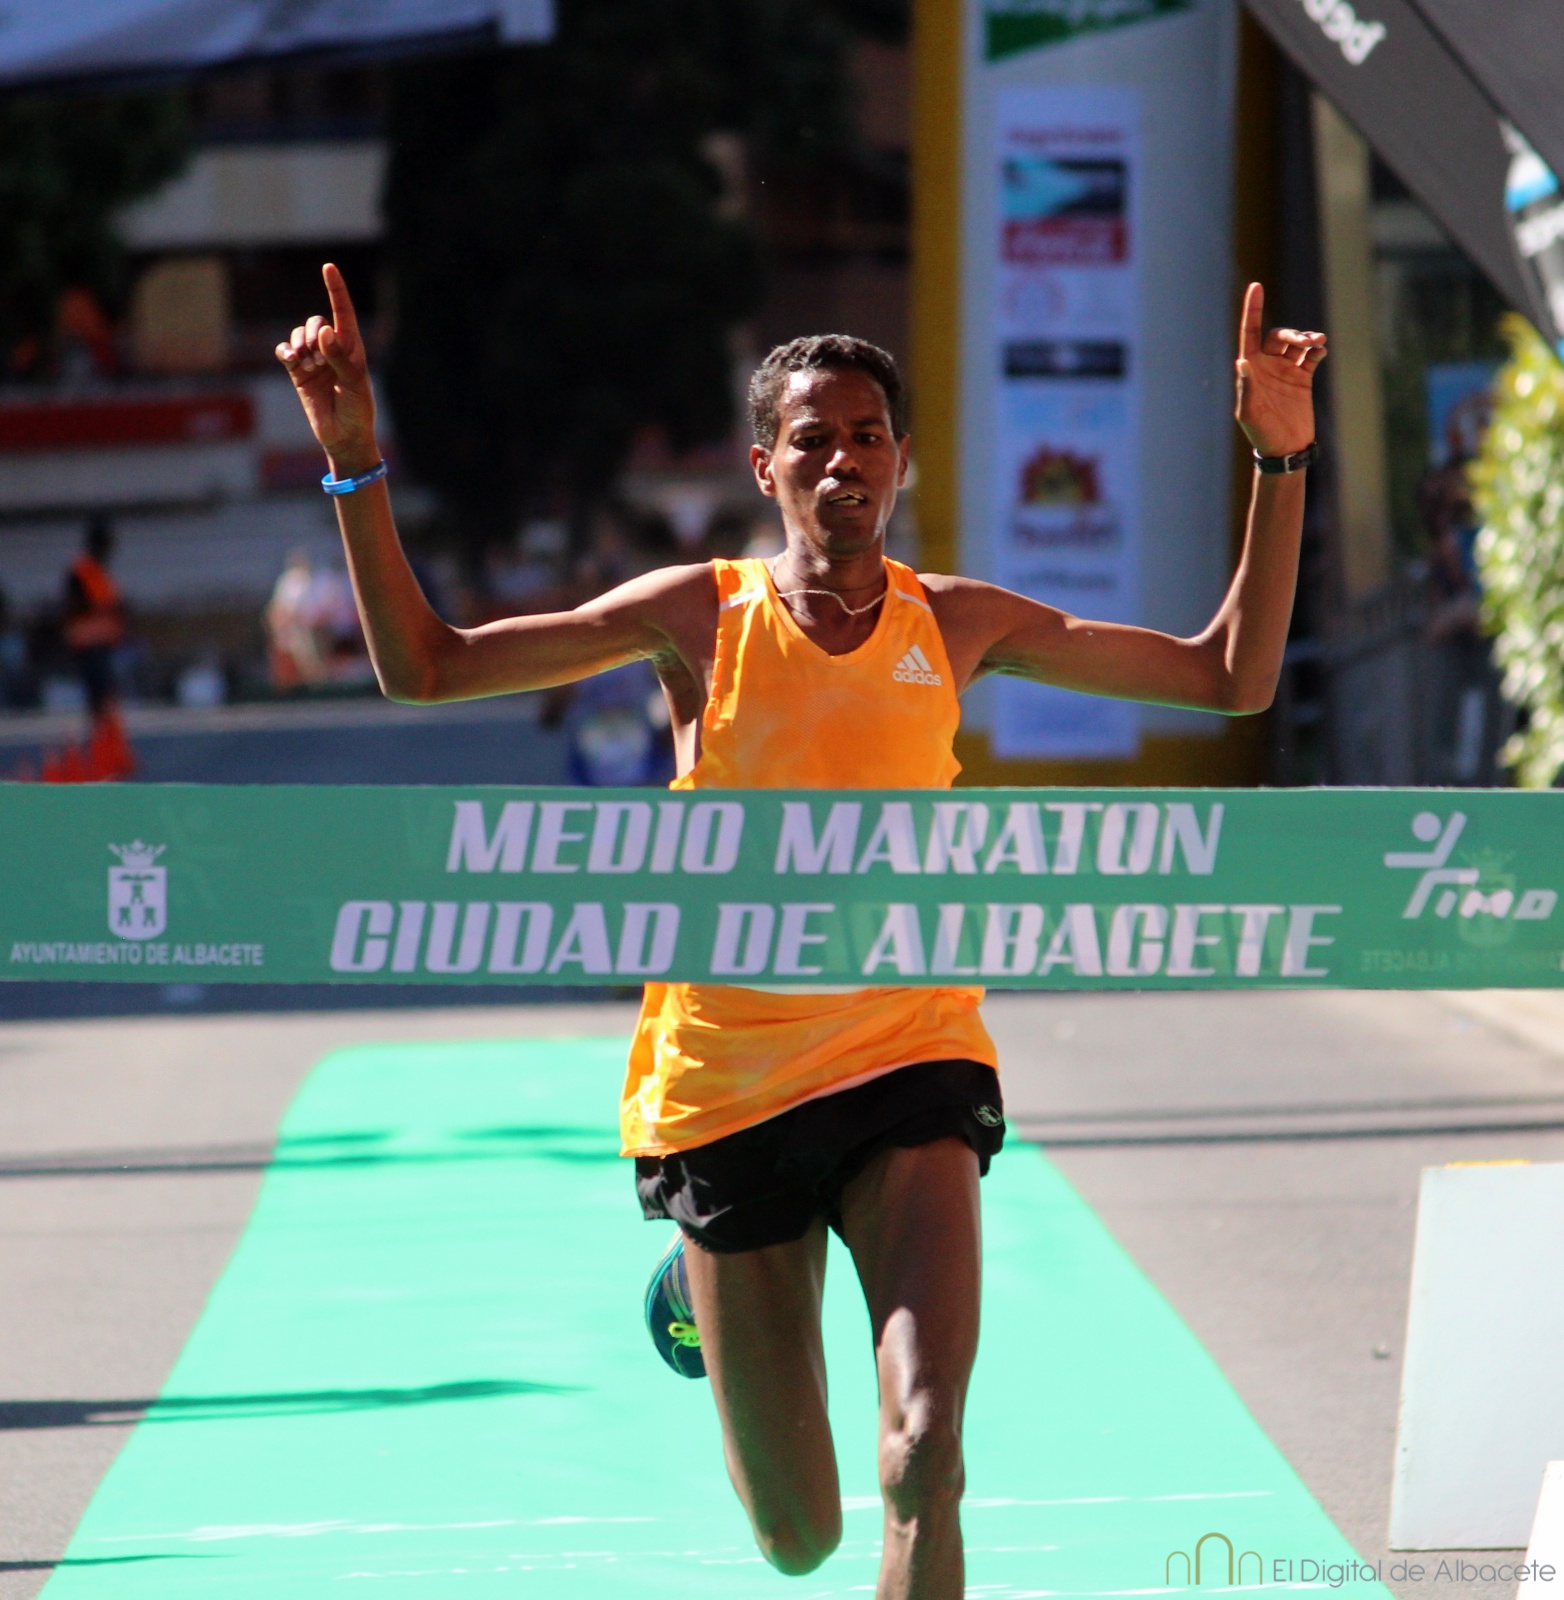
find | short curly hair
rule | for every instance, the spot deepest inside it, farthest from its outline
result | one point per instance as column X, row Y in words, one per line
column 821, row 352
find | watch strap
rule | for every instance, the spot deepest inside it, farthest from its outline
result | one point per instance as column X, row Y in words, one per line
column 1296, row 462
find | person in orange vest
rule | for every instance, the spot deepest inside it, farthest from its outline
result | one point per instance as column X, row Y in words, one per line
column 94, row 630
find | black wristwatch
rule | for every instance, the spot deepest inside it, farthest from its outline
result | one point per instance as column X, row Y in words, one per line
column 1296, row 462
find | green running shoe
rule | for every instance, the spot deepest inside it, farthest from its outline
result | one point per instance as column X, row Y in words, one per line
column 670, row 1318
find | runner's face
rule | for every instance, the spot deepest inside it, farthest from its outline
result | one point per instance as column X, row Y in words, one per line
column 837, row 465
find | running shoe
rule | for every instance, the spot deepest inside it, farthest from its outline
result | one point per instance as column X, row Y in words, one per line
column 670, row 1318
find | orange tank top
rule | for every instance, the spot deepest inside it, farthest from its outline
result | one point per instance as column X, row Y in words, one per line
column 710, row 1059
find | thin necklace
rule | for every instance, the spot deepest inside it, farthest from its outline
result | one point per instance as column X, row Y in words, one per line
column 852, row 611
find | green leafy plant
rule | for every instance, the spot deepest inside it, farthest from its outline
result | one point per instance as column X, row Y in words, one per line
column 1518, row 489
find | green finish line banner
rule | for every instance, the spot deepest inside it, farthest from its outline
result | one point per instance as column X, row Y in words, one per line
column 1016, row 888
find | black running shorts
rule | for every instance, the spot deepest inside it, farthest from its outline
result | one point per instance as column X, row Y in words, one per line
column 765, row 1185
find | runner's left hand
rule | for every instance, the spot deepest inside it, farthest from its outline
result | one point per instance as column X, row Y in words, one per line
column 1275, row 381
column 330, row 372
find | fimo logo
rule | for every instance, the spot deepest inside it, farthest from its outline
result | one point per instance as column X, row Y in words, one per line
column 1457, row 887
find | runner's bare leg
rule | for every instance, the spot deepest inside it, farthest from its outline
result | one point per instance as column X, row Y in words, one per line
column 912, row 1221
column 759, row 1316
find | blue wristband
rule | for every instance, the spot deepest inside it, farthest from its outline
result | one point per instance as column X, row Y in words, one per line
column 348, row 485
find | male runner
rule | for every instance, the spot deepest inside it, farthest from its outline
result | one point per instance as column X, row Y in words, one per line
column 758, row 1117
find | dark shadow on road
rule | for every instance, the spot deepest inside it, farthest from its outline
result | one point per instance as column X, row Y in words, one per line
column 1041, row 1133
column 34, row 1000
column 1418, row 1118
column 18, row 1416
column 322, row 1152
column 97, row 1561
column 1316, row 1108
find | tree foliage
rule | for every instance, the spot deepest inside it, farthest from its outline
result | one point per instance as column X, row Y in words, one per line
column 67, row 165
column 568, row 266
column 1518, row 483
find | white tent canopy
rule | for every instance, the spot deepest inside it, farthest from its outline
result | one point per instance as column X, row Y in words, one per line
column 43, row 40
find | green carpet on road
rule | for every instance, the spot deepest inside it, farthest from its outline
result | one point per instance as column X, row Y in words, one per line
column 424, row 1373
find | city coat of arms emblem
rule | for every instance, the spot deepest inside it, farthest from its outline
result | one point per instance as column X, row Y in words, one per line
column 138, row 891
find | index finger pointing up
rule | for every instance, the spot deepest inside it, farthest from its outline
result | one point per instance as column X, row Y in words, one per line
column 343, row 316
column 1250, row 321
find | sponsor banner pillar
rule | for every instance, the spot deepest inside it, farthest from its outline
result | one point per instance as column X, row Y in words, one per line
column 1095, row 330
column 938, row 35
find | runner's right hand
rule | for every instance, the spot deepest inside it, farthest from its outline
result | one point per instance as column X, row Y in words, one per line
column 331, row 375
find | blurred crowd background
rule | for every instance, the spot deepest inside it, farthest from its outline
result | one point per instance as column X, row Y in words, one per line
column 568, row 258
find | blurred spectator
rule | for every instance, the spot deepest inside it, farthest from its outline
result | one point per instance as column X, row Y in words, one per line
column 1452, row 539
column 293, row 646
column 347, row 653
column 312, row 628
column 727, row 534
column 765, row 541
column 1460, row 406
column 1464, row 686
column 540, row 574
column 429, row 581
column 618, row 728
column 203, row 683
column 520, row 584
column 689, row 508
column 86, row 335
column 609, row 557
column 524, row 579
column 94, row 614
column 656, row 543
column 94, row 631
column 16, row 685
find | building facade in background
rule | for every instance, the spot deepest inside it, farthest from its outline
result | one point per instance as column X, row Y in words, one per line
column 177, row 423
column 1049, row 211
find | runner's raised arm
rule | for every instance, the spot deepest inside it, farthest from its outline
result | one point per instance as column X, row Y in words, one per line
column 1232, row 665
column 417, row 656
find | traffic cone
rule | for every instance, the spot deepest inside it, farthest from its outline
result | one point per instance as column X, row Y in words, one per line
column 109, row 754
column 96, row 756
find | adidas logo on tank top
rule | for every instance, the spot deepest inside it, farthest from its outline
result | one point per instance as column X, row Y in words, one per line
column 915, row 667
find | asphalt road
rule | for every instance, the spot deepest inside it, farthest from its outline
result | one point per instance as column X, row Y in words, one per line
column 1258, row 1155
